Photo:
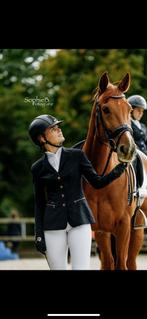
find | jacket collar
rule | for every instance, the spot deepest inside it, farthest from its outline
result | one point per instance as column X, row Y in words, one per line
column 65, row 154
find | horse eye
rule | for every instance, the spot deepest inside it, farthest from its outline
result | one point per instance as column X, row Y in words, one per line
column 106, row 110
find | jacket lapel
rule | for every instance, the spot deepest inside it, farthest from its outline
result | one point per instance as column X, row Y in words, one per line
column 47, row 166
column 65, row 155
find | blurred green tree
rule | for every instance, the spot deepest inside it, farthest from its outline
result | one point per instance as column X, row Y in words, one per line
column 16, row 151
column 69, row 79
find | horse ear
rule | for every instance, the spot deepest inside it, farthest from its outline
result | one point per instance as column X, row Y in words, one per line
column 125, row 83
column 103, row 83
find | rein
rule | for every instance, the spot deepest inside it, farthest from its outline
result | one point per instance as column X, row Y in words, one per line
column 111, row 135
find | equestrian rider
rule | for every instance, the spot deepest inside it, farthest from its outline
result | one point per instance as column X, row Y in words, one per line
column 62, row 216
column 138, row 104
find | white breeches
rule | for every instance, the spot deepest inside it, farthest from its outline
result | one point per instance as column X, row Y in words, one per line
column 77, row 239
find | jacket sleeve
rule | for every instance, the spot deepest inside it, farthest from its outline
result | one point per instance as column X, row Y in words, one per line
column 96, row 180
column 145, row 133
column 39, row 205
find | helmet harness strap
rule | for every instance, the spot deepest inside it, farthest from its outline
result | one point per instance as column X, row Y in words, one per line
column 48, row 142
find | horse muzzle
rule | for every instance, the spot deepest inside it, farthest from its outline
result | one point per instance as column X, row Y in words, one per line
column 126, row 153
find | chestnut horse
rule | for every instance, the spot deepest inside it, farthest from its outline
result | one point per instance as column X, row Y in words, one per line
column 109, row 141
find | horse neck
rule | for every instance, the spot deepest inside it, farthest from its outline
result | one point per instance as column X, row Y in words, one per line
column 96, row 150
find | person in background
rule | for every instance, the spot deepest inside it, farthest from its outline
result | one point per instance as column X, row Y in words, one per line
column 139, row 105
column 62, row 216
column 14, row 229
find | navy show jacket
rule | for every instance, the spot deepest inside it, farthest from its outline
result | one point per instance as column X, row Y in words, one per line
column 59, row 196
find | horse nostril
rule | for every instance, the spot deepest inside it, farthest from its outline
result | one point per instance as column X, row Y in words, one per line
column 123, row 149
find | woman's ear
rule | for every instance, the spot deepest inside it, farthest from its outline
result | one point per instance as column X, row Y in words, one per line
column 41, row 138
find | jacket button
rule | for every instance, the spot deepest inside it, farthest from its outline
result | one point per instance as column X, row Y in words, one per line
column 63, row 204
column 61, row 186
column 62, row 195
column 58, row 177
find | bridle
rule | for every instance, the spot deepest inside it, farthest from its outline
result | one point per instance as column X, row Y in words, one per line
column 109, row 134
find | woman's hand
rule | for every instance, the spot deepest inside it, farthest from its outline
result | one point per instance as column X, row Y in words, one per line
column 40, row 245
column 119, row 169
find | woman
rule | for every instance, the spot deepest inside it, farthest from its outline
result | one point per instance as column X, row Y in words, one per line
column 62, row 216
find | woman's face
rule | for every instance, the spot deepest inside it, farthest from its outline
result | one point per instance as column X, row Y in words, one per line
column 137, row 113
column 54, row 135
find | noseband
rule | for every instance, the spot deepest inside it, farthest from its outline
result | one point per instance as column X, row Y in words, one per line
column 111, row 135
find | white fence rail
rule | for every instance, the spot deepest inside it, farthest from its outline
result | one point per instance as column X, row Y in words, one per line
column 23, row 223
column 29, row 220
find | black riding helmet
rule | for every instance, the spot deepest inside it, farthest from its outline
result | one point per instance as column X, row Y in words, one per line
column 137, row 101
column 38, row 126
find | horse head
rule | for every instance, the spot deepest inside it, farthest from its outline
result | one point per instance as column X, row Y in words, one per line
column 113, row 116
